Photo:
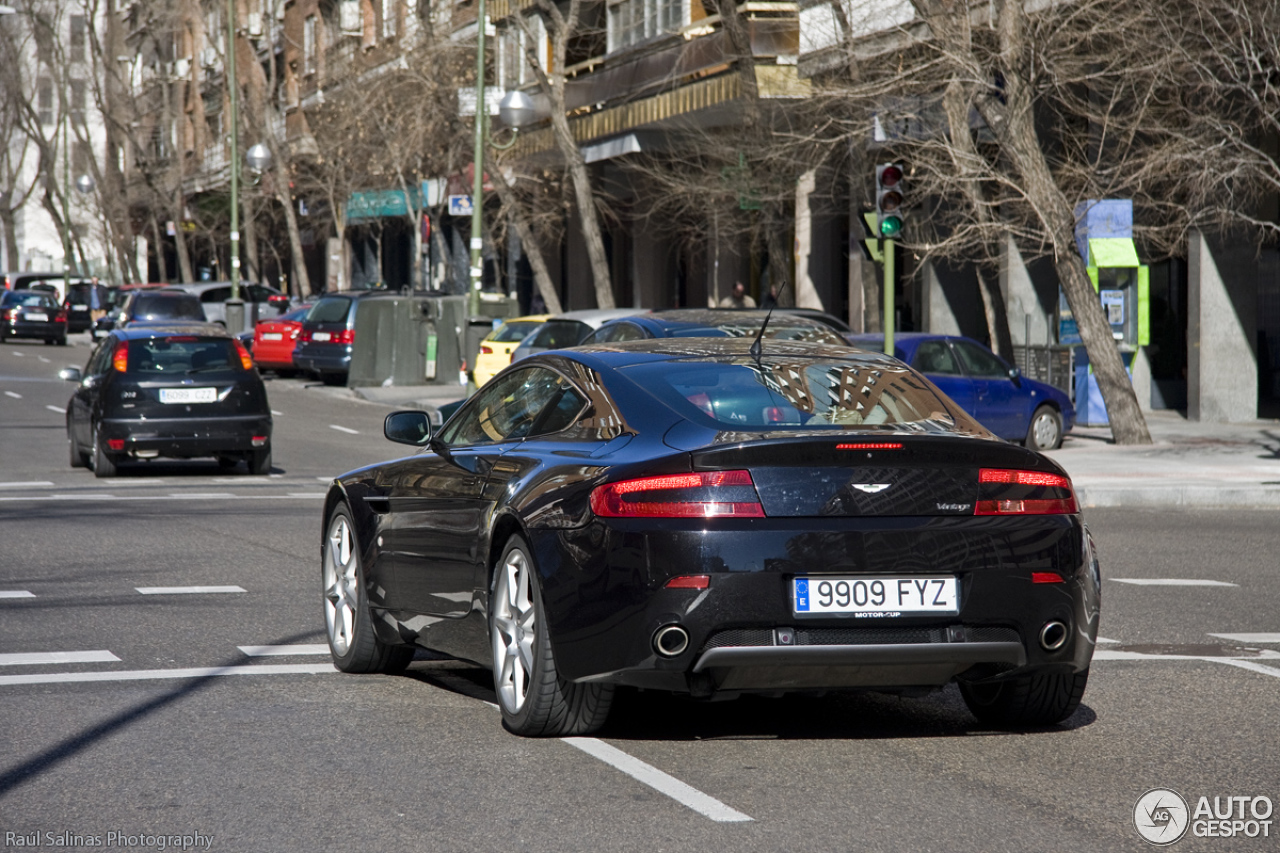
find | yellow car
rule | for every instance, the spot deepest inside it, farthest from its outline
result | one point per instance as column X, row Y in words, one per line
column 496, row 349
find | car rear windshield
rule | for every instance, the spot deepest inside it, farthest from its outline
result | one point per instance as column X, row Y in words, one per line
column 29, row 299
column 511, row 333
column 332, row 310
column 154, row 306
column 181, row 355
column 787, row 392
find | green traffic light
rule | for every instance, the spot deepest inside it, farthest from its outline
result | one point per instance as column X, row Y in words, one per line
column 890, row 226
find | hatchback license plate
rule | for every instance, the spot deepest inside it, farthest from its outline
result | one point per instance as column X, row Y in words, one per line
column 188, row 395
column 272, row 336
column 874, row 597
column 321, row 336
column 36, row 317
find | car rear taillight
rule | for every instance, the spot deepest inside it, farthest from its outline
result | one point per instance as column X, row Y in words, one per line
column 61, row 316
column 6, row 314
column 1011, row 492
column 484, row 350
column 304, row 336
column 707, row 494
column 246, row 360
column 346, row 336
column 120, row 357
column 115, row 444
column 278, row 299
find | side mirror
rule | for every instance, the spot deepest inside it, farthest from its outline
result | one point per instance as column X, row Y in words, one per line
column 409, row 427
column 71, row 374
column 1015, row 376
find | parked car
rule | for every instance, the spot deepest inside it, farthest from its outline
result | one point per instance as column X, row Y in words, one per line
column 118, row 296
column 32, row 314
column 25, row 279
column 178, row 391
column 688, row 515
column 496, row 349
column 328, row 335
column 717, row 323
column 272, row 342
column 261, row 302
column 153, row 305
column 567, row 330
column 1012, row 406
column 86, row 301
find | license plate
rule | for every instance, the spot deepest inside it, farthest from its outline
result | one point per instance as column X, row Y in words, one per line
column 79, row 307
column 321, row 336
column 272, row 336
column 874, row 597
column 36, row 317
column 188, row 395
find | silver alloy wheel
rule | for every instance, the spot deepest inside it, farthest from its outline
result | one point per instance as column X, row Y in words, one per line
column 341, row 593
column 1046, row 430
column 514, row 630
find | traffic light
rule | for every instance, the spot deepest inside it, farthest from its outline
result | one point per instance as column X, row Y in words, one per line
column 889, row 199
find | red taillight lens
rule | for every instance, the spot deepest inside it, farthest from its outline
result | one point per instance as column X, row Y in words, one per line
column 115, row 444
column 1011, row 492
column 1046, row 577
column 867, row 445
column 708, row 494
column 60, row 317
column 246, row 360
column 486, row 350
column 120, row 357
column 304, row 336
column 346, row 336
column 6, row 314
column 689, row 582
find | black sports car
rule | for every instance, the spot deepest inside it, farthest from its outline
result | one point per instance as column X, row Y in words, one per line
column 693, row 516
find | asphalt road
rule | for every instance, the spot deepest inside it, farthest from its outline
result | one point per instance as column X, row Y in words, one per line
column 280, row 753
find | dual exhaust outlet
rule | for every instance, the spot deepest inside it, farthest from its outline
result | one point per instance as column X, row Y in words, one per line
column 670, row 641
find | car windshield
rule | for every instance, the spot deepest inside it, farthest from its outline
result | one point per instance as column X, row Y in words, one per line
column 180, row 355
column 332, row 310
column 154, row 306
column 510, row 333
column 557, row 334
column 788, row 392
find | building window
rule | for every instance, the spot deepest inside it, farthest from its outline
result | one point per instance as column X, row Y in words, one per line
column 388, row 19
column 44, row 99
column 309, row 45
column 77, row 101
column 634, row 21
column 513, row 62
column 78, row 41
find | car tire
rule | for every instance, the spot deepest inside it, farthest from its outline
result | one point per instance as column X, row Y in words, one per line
column 260, row 461
column 103, row 465
column 78, row 459
column 1038, row 699
column 1045, row 430
column 226, row 463
column 535, row 701
column 62, row 341
column 348, row 623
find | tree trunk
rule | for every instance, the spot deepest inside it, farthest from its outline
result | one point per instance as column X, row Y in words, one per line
column 9, row 223
column 532, row 249
column 588, row 215
column 299, row 282
column 180, row 238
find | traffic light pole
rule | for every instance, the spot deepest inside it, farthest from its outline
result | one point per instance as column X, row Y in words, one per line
column 888, row 296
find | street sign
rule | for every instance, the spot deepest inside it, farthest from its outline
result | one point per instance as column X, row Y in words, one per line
column 459, row 205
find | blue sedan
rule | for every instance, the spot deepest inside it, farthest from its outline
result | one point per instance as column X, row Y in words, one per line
column 1012, row 406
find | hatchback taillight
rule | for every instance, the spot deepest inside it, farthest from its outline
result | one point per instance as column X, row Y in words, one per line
column 246, row 360
column 707, row 494
column 346, row 336
column 486, row 350
column 120, row 357
column 1012, row 492
column 304, row 336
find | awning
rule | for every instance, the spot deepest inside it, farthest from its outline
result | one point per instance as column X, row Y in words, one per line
column 1113, row 252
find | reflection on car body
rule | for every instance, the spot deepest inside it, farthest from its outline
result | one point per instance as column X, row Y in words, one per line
column 687, row 515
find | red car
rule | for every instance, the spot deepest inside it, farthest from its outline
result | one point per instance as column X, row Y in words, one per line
column 274, row 340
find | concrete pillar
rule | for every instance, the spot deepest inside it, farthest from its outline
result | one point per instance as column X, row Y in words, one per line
column 1140, row 370
column 806, row 293
column 936, row 313
column 1222, row 369
column 1023, row 298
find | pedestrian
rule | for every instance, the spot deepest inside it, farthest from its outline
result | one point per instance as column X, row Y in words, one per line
column 771, row 298
column 739, row 298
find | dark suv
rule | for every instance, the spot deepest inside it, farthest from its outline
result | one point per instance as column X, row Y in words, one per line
column 176, row 391
column 153, row 306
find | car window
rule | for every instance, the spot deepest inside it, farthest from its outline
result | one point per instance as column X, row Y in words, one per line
column 153, row 306
column 101, row 358
column 562, row 413
column 331, row 310
column 980, row 362
column 216, row 294
column 788, row 393
column 511, row 333
column 557, row 334
column 936, row 357
column 181, row 354
column 506, row 408
column 622, row 331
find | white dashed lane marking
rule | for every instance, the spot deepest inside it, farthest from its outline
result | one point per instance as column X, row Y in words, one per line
column 186, row 590
column 13, row 395
column 57, row 409
column 163, row 674
column 1249, row 638
column 29, row 484
column 1171, row 582
column 281, row 651
column 16, row 593
column 347, row 430
column 30, row 658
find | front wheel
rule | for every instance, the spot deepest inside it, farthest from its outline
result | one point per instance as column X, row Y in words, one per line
column 352, row 641
column 1045, row 431
column 535, row 701
column 1038, row 699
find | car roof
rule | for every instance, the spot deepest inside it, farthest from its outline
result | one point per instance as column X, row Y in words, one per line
column 202, row 286
column 619, row 353
column 163, row 329
column 596, row 317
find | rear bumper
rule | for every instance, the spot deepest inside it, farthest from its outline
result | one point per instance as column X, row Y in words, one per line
column 323, row 358
column 45, row 331
column 187, row 438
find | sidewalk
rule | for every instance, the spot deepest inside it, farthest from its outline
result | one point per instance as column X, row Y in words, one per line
column 1190, row 464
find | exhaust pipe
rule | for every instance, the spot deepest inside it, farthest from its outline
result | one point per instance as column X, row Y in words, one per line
column 670, row 640
column 1053, row 636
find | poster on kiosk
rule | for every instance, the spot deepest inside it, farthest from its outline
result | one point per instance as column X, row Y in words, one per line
column 1105, row 239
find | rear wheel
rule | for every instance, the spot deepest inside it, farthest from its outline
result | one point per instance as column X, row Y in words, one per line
column 1045, row 431
column 260, row 461
column 62, row 341
column 534, row 699
column 348, row 623
column 1038, row 699
column 103, row 465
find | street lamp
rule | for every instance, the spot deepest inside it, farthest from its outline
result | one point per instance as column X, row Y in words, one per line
column 259, row 158
column 235, row 306
column 85, row 184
